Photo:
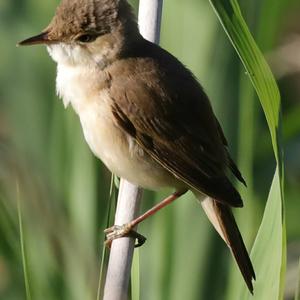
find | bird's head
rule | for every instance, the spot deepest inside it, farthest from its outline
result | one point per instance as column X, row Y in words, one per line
column 87, row 31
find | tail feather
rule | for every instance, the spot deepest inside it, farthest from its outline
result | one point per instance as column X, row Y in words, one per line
column 223, row 220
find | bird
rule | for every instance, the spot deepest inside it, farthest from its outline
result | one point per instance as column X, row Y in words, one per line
column 143, row 114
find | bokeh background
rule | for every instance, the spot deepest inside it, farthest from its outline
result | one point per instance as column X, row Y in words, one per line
column 63, row 191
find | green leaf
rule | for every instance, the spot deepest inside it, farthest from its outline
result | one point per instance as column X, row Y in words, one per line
column 269, row 253
column 22, row 243
column 257, row 68
column 135, row 276
column 109, row 216
column 266, row 259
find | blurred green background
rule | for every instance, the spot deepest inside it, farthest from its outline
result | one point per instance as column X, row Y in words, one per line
column 63, row 190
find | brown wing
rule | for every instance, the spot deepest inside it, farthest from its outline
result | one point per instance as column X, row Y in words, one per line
column 234, row 169
column 161, row 105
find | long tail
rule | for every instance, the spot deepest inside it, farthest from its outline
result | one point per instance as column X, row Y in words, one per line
column 223, row 220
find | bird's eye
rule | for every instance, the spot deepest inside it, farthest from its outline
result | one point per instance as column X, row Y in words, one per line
column 86, row 38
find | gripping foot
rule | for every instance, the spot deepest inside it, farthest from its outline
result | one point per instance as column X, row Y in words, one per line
column 116, row 232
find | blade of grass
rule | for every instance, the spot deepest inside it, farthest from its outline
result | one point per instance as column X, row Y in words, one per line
column 267, row 260
column 256, row 66
column 135, row 276
column 22, row 243
column 264, row 83
column 110, row 213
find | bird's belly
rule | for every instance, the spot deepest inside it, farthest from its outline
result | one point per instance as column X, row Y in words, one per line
column 117, row 150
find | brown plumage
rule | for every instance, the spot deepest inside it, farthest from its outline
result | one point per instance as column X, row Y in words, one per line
column 180, row 132
column 143, row 113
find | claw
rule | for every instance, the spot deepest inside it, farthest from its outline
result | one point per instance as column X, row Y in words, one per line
column 116, row 232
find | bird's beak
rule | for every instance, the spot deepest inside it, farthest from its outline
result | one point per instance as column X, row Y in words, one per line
column 39, row 39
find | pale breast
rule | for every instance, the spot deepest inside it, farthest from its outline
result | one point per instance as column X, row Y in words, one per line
column 117, row 150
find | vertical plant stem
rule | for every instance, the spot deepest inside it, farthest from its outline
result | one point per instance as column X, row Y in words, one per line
column 150, row 19
column 119, row 266
column 120, row 260
column 24, row 260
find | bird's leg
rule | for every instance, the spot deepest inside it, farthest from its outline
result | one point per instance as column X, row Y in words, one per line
column 126, row 230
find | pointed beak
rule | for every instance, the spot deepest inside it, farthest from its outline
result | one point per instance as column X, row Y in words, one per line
column 36, row 40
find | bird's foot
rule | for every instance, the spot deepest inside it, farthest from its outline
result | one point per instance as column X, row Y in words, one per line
column 116, row 232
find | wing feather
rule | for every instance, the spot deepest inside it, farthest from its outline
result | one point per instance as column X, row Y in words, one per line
column 161, row 105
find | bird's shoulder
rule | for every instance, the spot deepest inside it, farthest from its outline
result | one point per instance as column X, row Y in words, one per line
column 149, row 82
column 159, row 103
column 146, row 59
